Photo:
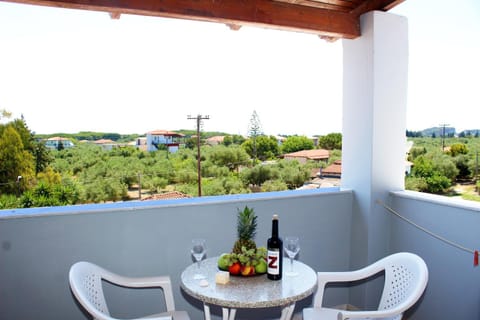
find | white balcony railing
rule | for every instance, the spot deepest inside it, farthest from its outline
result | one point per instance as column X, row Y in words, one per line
column 151, row 238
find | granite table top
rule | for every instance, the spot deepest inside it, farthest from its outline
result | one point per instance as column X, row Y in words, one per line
column 249, row 292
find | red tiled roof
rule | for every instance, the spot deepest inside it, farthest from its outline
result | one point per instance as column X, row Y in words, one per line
column 335, row 168
column 314, row 154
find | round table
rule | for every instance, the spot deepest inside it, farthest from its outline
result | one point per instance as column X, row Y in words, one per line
column 249, row 292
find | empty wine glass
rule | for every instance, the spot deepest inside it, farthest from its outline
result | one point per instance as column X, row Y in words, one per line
column 199, row 248
column 292, row 247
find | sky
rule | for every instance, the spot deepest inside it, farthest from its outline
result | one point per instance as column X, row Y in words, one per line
column 71, row 70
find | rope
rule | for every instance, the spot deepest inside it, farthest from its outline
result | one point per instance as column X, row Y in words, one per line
column 454, row 244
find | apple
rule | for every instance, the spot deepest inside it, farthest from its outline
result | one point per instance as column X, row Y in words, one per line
column 224, row 261
column 234, row 268
column 261, row 266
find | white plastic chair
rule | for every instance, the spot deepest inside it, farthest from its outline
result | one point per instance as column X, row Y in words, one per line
column 86, row 284
column 406, row 276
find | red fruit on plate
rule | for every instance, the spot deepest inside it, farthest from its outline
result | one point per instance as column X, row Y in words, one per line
column 234, row 268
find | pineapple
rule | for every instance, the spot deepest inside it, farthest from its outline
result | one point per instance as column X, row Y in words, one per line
column 246, row 230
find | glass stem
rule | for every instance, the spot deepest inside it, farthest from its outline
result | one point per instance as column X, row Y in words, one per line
column 291, row 264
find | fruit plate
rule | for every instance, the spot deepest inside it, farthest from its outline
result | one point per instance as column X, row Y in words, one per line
column 244, row 275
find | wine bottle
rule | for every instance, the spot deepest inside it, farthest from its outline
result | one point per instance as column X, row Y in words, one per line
column 274, row 253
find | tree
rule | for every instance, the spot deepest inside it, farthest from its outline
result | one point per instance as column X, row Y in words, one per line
column 39, row 151
column 15, row 162
column 230, row 157
column 437, row 175
column 297, row 143
column 293, row 173
column 457, row 148
column 331, row 141
column 233, row 139
column 42, row 157
column 257, row 175
column 266, row 147
column 254, row 130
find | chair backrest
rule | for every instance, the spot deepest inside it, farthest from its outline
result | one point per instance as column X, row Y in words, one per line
column 86, row 284
column 406, row 276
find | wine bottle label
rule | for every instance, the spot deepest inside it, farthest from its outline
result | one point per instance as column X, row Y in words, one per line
column 273, row 261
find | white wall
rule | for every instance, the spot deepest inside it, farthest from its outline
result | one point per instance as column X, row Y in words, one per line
column 375, row 69
column 152, row 238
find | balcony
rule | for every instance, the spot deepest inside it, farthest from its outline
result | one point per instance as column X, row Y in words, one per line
column 152, row 238
column 340, row 229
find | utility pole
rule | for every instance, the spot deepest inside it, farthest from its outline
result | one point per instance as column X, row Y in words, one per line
column 199, row 119
column 443, row 135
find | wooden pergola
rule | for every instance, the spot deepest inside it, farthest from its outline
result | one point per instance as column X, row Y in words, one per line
column 330, row 19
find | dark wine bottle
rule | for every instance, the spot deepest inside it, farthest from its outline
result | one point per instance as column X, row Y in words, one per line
column 274, row 253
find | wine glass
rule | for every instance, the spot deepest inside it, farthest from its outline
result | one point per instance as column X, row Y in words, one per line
column 199, row 248
column 292, row 247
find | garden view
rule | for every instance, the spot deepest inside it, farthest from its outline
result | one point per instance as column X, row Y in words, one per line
column 32, row 175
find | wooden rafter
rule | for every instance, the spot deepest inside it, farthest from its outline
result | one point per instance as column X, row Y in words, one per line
column 327, row 18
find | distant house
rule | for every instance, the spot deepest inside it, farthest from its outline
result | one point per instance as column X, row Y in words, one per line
column 215, row 140
column 140, row 143
column 158, row 139
column 106, row 144
column 55, row 143
column 304, row 155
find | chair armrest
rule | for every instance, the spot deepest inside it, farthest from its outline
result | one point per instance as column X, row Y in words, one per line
column 342, row 276
column 163, row 282
column 142, row 282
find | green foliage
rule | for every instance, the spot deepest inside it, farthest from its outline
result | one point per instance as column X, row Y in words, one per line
column 432, row 179
column 15, row 161
column 416, row 152
column 462, row 162
column 264, row 146
column 331, row 141
column 293, row 174
column 435, row 171
column 230, row 157
column 46, row 195
column 233, row 139
column 457, row 149
column 297, row 143
column 9, row 201
column 274, row 185
column 257, row 175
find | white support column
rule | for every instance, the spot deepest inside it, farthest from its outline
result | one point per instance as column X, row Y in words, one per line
column 375, row 68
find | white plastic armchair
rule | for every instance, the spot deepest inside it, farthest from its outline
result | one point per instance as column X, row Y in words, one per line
column 406, row 276
column 86, row 284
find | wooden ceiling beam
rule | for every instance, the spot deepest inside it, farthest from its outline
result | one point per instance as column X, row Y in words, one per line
column 262, row 13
